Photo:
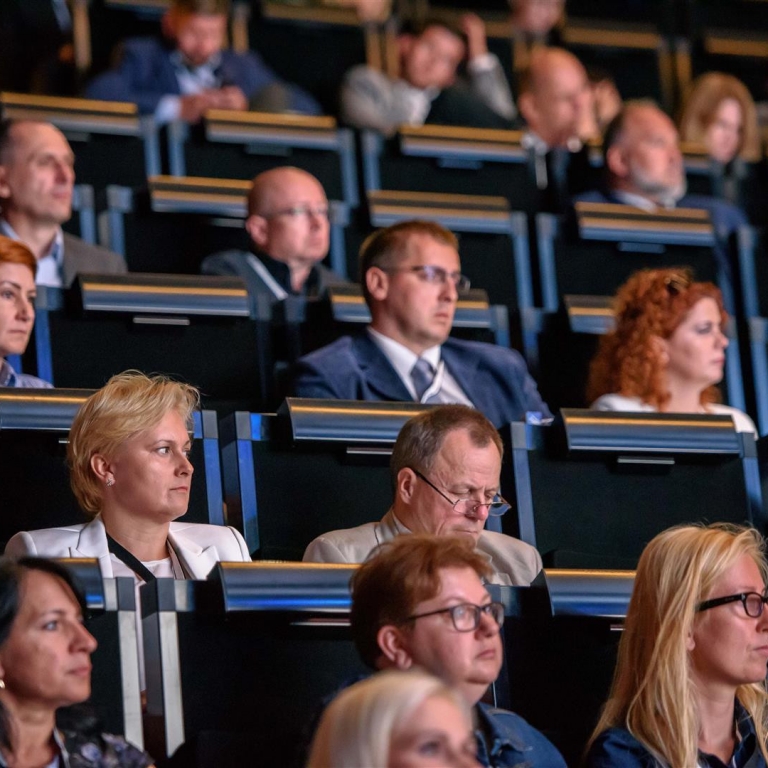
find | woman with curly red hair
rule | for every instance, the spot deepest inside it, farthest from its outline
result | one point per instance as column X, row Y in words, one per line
column 667, row 350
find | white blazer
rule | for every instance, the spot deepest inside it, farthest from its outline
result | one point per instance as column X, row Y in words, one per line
column 199, row 547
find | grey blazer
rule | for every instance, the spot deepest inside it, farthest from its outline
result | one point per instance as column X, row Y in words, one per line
column 513, row 561
column 80, row 256
column 199, row 547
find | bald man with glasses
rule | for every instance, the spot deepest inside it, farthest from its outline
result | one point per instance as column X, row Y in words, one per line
column 445, row 468
column 411, row 279
column 289, row 229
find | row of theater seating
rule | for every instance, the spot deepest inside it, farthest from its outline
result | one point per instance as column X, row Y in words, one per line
column 651, row 48
column 556, row 296
column 113, row 145
column 223, row 686
column 588, row 492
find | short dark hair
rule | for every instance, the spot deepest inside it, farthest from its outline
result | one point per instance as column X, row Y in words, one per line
column 12, row 574
column 399, row 575
column 419, row 27
column 388, row 247
column 6, row 140
column 208, row 7
column 421, row 437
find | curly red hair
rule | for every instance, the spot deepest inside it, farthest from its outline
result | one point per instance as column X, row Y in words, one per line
column 651, row 303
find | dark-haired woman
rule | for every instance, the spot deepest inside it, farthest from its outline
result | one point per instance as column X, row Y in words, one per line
column 45, row 665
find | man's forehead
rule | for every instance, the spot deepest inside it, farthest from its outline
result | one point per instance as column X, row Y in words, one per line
column 425, row 248
column 647, row 122
column 31, row 139
column 437, row 33
column 290, row 188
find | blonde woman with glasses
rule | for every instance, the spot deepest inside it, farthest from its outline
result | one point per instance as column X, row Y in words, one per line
column 689, row 688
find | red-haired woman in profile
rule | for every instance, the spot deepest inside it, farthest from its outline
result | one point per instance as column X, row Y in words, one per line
column 667, row 350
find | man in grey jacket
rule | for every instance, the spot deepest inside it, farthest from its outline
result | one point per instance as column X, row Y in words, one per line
column 427, row 89
column 445, row 470
column 290, row 234
column 37, row 179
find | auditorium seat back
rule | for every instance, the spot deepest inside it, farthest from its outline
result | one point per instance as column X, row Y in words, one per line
column 595, row 487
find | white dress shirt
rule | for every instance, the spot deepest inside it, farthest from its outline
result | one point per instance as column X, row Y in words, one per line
column 444, row 386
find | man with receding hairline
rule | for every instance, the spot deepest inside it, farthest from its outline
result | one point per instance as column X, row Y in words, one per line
column 290, row 231
column 445, row 468
column 37, row 179
column 411, row 279
column 191, row 72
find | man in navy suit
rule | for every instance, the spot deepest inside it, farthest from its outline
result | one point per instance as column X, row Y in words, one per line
column 644, row 168
column 411, row 279
column 181, row 78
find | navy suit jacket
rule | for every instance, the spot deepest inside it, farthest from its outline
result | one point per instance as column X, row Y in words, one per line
column 495, row 379
column 146, row 73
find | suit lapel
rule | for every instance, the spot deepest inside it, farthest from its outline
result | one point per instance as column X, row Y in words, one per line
column 197, row 561
column 463, row 368
column 70, row 260
column 92, row 542
column 380, row 376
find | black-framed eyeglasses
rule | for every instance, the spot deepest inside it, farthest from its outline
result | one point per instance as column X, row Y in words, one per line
column 435, row 275
column 296, row 211
column 753, row 603
column 466, row 616
column 496, row 507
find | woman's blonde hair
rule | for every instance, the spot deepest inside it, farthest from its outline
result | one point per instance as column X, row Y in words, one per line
column 357, row 726
column 700, row 106
column 129, row 403
column 653, row 694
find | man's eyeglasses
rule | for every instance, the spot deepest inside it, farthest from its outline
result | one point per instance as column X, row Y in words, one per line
column 496, row 507
column 435, row 275
column 753, row 603
column 466, row 616
column 295, row 212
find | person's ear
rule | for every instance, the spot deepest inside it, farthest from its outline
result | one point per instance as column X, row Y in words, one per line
column 377, row 283
column 690, row 643
column 102, row 468
column 404, row 45
column 406, row 484
column 169, row 23
column 616, row 162
column 256, row 227
column 526, row 104
column 660, row 348
column 5, row 190
column 394, row 647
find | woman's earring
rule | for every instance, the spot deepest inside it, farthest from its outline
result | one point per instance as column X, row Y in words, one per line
column 110, row 482
column 2, row 684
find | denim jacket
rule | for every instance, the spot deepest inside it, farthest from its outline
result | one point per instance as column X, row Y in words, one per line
column 505, row 740
column 616, row 748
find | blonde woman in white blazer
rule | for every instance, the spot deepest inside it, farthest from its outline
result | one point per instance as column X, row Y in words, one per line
column 129, row 465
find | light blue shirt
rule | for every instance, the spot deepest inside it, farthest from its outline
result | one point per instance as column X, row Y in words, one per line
column 9, row 378
column 50, row 267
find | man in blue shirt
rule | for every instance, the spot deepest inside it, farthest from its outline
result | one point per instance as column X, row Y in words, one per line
column 190, row 72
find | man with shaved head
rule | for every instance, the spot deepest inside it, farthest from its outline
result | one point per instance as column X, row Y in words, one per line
column 290, row 233
column 554, row 95
column 37, row 179
column 555, row 101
